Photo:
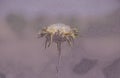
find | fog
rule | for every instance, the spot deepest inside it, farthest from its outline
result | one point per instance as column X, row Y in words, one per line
column 93, row 54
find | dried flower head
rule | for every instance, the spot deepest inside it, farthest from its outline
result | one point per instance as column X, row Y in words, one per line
column 58, row 33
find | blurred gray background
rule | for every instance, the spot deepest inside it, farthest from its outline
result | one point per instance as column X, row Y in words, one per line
column 95, row 54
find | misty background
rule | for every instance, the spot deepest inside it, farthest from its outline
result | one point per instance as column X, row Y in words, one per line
column 94, row 54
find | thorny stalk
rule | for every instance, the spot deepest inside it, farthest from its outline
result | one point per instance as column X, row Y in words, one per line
column 59, row 58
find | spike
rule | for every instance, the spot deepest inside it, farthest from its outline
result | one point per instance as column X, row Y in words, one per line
column 49, row 44
column 51, row 38
column 46, row 43
column 71, row 38
column 59, row 46
column 68, row 40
